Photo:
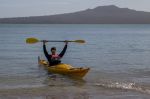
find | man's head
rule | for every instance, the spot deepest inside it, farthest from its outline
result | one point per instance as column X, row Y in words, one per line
column 53, row 50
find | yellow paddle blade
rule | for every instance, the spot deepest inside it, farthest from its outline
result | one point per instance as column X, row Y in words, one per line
column 32, row 40
column 79, row 41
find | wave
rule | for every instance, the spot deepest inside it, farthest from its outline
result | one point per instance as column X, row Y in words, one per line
column 125, row 86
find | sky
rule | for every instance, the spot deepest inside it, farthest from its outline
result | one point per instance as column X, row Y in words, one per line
column 21, row 8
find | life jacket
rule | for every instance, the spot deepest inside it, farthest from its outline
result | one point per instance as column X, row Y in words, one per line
column 55, row 57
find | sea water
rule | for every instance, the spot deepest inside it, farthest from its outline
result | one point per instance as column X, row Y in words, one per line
column 118, row 57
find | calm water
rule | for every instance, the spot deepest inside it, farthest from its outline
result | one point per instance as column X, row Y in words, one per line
column 118, row 55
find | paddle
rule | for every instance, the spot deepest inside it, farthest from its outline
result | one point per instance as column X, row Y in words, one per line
column 35, row 40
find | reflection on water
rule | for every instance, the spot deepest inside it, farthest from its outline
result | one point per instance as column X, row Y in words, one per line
column 63, row 80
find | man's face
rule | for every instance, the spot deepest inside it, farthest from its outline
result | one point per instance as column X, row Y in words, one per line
column 53, row 51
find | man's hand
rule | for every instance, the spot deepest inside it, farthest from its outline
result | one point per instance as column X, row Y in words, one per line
column 66, row 42
column 44, row 41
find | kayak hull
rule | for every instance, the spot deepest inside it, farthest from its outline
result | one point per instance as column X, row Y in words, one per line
column 64, row 69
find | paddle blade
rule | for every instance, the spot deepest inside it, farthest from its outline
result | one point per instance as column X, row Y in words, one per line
column 31, row 40
column 79, row 41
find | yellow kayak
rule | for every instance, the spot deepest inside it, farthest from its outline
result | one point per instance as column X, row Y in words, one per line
column 64, row 69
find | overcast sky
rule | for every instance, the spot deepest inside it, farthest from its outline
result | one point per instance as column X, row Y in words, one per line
column 19, row 8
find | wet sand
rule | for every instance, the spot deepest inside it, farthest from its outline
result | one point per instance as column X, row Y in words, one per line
column 70, row 92
column 45, row 93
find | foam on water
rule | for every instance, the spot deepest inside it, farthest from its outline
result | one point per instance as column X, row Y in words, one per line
column 125, row 86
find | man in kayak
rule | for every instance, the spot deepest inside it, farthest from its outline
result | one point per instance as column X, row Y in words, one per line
column 54, row 58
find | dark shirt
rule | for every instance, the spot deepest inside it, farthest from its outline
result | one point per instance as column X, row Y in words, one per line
column 49, row 57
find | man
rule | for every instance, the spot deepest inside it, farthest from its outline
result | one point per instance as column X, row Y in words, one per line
column 54, row 58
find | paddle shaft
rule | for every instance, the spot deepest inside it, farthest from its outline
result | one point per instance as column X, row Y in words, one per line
column 35, row 40
column 55, row 41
